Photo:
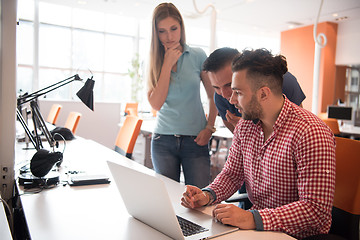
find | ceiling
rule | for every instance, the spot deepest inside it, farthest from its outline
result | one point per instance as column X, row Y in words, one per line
column 246, row 16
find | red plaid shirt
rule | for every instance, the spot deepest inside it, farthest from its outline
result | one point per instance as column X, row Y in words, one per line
column 290, row 179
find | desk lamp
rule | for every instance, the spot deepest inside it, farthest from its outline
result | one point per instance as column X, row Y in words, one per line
column 43, row 160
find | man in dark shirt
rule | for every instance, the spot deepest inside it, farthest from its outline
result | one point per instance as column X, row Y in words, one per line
column 218, row 66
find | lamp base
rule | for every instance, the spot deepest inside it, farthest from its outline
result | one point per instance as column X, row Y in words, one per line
column 27, row 180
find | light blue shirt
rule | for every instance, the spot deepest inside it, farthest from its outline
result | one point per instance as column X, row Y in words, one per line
column 182, row 112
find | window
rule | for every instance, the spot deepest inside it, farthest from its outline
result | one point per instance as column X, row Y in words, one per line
column 75, row 41
column 54, row 46
column 25, row 57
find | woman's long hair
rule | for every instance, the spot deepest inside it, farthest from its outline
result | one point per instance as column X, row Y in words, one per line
column 157, row 51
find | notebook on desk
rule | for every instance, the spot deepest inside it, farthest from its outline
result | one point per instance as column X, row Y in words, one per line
column 146, row 199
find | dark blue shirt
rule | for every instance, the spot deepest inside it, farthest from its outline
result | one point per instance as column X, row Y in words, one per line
column 291, row 89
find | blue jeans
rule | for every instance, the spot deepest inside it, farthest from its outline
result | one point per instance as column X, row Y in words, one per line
column 169, row 152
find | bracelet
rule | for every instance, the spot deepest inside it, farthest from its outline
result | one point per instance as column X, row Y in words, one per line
column 211, row 197
column 211, row 128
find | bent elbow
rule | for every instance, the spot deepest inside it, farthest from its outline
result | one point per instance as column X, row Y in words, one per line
column 156, row 108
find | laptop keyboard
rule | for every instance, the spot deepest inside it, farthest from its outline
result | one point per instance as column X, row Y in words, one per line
column 189, row 228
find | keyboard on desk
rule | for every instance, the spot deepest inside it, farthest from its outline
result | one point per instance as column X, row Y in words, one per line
column 189, row 228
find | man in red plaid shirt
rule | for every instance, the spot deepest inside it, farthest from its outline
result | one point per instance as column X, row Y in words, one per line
column 283, row 153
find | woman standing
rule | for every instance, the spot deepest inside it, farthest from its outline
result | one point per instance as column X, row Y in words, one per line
column 182, row 131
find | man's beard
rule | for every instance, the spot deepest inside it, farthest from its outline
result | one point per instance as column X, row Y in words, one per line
column 254, row 110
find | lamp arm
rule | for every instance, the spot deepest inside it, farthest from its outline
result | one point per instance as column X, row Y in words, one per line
column 26, row 128
column 38, row 119
column 39, row 122
column 27, row 98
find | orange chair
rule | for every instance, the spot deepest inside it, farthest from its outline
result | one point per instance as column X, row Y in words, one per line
column 131, row 109
column 323, row 115
column 127, row 135
column 333, row 125
column 72, row 121
column 346, row 206
column 54, row 113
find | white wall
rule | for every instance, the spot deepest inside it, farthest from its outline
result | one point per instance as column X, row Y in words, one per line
column 348, row 43
column 100, row 125
column 7, row 96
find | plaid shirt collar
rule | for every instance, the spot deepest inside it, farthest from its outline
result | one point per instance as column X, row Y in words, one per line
column 284, row 114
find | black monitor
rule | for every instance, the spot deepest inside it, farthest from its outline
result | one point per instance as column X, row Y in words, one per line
column 339, row 112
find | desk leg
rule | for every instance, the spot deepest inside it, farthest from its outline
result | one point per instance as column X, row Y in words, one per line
column 147, row 160
column 228, row 145
column 219, row 156
column 20, row 227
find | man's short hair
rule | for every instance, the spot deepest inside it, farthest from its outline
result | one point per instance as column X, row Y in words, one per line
column 262, row 67
column 219, row 58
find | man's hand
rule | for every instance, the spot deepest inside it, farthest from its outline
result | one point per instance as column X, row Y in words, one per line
column 232, row 118
column 193, row 197
column 235, row 216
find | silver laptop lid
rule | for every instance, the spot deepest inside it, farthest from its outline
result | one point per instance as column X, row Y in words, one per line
column 146, row 199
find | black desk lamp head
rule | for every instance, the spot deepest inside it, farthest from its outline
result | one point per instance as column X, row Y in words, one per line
column 43, row 161
column 86, row 93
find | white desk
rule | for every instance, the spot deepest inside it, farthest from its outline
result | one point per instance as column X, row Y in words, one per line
column 351, row 130
column 147, row 128
column 96, row 211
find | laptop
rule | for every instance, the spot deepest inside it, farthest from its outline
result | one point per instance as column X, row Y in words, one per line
column 146, row 199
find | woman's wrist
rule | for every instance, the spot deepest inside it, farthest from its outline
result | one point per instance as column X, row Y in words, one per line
column 212, row 129
column 167, row 66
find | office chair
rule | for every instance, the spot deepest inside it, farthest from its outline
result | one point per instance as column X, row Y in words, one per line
column 72, row 121
column 323, row 115
column 333, row 125
column 54, row 113
column 131, row 109
column 346, row 207
column 128, row 133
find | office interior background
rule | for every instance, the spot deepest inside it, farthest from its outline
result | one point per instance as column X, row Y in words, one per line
column 67, row 37
column 104, row 38
column 110, row 39
column 92, row 39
